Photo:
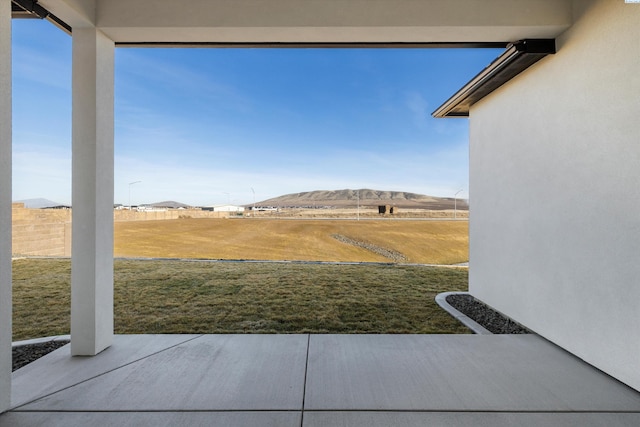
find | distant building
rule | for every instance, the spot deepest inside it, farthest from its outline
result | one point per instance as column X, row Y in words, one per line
column 148, row 208
column 224, row 208
column 384, row 209
column 58, row 207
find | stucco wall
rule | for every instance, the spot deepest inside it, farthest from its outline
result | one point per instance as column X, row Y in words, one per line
column 555, row 192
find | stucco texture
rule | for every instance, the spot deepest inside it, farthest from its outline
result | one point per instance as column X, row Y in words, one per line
column 555, row 172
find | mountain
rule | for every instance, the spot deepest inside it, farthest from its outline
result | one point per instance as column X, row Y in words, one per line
column 365, row 197
column 169, row 204
column 39, row 203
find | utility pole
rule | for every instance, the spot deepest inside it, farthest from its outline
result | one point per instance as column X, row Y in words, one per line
column 130, row 184
column 455, row 203
column 254, row 200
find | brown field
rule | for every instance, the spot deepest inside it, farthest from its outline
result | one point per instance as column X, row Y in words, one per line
column 418, row 241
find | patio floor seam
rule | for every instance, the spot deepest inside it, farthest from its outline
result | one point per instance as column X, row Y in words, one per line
column 304, row 383
column 15, row 409
column 408, row 411
column 153, row 411
column 482, row 411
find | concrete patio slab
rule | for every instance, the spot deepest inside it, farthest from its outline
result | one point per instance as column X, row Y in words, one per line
column 468, row 419
column 322, row 380
column 456, row 373
column 156, row 419
column 58, row 370
column 211, row 372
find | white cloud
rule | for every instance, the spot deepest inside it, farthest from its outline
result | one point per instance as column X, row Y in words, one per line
column 45, row 171
column 417, row 106
column 39, row 68
column 181, row 83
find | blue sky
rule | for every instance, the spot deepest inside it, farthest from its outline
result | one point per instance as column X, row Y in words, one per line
column 211, row 126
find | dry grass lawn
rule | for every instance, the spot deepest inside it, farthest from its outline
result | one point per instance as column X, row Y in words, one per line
column 170, row 296
column 233, row 297
column 423, row 242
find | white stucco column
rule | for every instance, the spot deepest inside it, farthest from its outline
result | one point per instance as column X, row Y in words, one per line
column 92, row 195
column 5, row 204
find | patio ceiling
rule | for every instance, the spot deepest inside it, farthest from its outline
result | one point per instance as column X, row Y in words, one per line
column 316, row 21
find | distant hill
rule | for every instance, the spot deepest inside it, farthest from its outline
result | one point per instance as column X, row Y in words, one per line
column 39, row 203
column 169, row 204
column 349, row 198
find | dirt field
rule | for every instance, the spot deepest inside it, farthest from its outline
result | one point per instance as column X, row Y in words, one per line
column 410, row 241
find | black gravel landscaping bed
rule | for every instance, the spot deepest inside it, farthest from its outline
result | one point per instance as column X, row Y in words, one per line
column 25, row 354
column 488, row 318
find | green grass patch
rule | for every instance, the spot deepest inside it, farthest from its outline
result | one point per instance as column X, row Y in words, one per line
column 155, row 297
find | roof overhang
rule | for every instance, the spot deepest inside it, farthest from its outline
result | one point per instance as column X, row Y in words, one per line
column 31, row 9
column 515, row 59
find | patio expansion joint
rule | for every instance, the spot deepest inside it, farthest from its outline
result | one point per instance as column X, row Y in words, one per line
column 150, row 411
column 482, row 411
column 304, row 384
column 408, row 411
column 17, row 408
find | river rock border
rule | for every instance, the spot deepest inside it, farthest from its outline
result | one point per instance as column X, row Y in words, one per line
column 387, row 253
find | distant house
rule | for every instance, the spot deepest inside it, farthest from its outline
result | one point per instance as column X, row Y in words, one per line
column 224, row 208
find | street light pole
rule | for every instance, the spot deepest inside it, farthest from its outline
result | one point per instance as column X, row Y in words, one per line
column 455, row 203
column 254, row 200
column 130, row 184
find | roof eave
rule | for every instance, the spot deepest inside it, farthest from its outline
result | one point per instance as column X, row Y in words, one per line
column 515, row 59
